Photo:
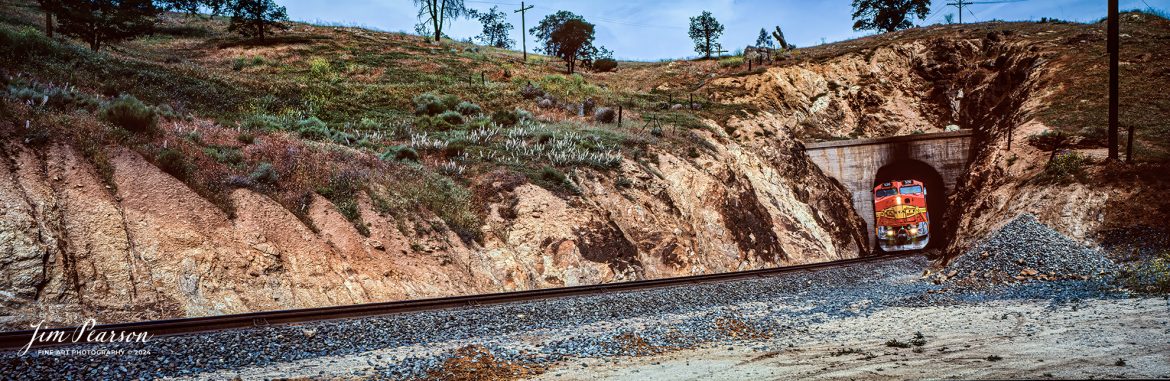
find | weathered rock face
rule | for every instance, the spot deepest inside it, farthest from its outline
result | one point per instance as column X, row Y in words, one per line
column 149, row 247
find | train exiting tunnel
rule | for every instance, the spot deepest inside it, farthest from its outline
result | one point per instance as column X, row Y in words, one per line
column 938, row 160
column 936, row 192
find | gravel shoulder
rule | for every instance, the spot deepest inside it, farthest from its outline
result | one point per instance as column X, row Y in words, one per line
column 1029, row 339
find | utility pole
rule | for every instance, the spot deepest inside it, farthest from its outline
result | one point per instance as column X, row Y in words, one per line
column 959, row 4
column 523, row 30
column 1113, row 31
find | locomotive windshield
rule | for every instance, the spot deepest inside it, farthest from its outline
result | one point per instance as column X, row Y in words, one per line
column 915, row 189
column 885, row 192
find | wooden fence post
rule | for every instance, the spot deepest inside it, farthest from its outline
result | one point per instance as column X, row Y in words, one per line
column 619, row 115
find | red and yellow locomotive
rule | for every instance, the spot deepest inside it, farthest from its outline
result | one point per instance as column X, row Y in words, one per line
column 901, row 220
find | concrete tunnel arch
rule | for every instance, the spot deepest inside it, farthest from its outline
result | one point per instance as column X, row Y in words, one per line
column 936, row 193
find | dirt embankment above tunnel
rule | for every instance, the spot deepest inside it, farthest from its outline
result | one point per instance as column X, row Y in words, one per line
column 1002, row 81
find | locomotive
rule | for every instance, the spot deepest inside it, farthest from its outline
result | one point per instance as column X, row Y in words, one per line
column 901, row 219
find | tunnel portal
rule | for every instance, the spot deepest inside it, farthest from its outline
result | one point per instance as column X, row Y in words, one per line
column 938, row 160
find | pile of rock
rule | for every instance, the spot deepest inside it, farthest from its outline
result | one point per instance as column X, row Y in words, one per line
column 1026, row 250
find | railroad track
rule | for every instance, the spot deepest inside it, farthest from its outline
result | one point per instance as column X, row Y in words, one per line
column 15, row 340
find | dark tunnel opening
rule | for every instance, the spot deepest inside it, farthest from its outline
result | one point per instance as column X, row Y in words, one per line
column 936, row 194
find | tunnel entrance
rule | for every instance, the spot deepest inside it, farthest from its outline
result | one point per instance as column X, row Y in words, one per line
column 936, row 194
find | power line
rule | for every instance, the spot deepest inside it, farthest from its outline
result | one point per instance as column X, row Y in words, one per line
column 963, row 3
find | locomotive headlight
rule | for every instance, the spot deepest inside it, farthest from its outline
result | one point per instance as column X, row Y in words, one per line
column 890, row 233
column 913, row 231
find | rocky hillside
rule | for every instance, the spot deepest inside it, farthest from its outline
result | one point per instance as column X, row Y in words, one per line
column 338, row 165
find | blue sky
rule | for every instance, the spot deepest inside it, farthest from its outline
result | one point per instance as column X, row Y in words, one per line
column 657, row 29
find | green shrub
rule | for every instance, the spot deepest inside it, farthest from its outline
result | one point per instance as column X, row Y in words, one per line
column 455, row 147
column 452, row 117
column 263, row 122
column 264, row 174
column 505, row 118
column 605, row 64
column 468, row 108
column 1095, row 134
column 130, row 113
column 1048, row 140
column 313, row 128
column 23, row 44
column 548, row 173
column 433, row 123
column 400, row 153
column 731, row 61
column 228, row 156
column 1148, row 276
column 246, row 137
column 433, row 104
column 568, row 87
column 173, row 162
column 1065, row 166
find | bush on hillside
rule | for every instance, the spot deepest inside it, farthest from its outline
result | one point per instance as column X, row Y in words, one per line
column 1151, row 275
column 505, row 118
column 731, row 61
column 400, row 153
column 313, row 128
column 468, row 108
column 1065, row 166
column 262, row 122
column 604, row 65
column 130, row 113
column 451, row 117
column 531, row 92
column 264, row 174
column 433, row 104
column 173, row 162
column 605, row 115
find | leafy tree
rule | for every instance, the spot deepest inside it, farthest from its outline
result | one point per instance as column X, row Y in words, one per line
column 543, row 31
column 100, row 22
column 888, row 15
column 780, row 40
column 253, row 18
column 764, row 41
column 567, row 36
column 574, row 42
column 194, row 7
column 495, row 29
column 705, row 31
column 433, row 14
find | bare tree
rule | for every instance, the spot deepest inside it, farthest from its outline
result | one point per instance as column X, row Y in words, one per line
column 433, row 14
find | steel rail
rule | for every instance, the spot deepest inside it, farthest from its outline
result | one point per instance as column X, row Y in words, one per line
column 15, row 340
